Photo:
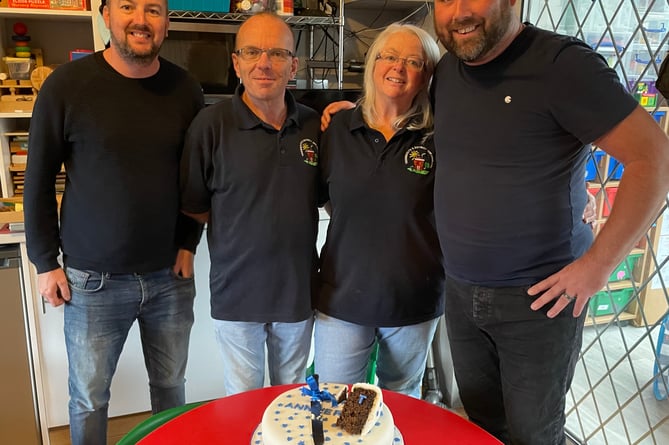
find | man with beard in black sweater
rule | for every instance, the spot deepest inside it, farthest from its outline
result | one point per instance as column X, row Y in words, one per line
column 117, row 120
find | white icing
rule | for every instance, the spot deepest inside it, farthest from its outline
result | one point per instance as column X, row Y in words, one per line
column 287, row 420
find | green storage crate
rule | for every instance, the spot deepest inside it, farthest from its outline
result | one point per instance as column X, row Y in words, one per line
column 625, row 270
column 605, row 303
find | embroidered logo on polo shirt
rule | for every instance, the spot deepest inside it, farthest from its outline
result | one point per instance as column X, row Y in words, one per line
column 419, row 159
column 309, row 152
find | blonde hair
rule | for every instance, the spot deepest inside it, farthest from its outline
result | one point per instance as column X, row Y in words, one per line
column 419, row 116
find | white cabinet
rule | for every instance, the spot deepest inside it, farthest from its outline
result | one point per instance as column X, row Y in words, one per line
column 130, row 388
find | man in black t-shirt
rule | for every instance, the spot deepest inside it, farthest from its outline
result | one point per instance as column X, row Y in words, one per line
column 515, row 110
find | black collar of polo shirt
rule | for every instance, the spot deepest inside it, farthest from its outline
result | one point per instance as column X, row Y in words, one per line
column 248, row 120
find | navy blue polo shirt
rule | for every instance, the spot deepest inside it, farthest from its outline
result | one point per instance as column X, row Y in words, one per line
column 381, row 263
column 260, row 186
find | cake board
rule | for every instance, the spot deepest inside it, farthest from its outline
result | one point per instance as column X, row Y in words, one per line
column 256, row 438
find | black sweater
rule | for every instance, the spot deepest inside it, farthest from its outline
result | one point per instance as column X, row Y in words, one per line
column 120, row 140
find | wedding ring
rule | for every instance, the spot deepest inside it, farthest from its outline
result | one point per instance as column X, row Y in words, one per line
column 568, row 297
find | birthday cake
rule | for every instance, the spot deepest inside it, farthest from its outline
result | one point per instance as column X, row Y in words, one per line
column 289, row 420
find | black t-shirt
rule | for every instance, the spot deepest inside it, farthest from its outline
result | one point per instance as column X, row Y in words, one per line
column 260, row 185
column 381, row 263
column 512, row 138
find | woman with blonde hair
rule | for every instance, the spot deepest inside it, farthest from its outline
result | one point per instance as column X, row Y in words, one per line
column 381, row 272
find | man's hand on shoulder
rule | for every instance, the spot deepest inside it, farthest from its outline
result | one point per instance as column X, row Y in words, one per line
column 333, row 109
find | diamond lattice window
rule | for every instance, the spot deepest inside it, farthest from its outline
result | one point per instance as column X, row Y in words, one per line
column 619, row 393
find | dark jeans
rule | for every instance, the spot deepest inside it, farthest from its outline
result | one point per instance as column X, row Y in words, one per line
column 513, row 365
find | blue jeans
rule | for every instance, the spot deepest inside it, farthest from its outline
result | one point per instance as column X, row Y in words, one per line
column 97, row 320
column 243, row 344
column 513, row 365
column 342, row 349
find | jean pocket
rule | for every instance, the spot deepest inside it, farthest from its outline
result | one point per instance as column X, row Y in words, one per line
column 85, row 281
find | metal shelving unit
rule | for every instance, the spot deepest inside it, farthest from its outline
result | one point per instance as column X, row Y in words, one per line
column 230, row 21
column 237, row 18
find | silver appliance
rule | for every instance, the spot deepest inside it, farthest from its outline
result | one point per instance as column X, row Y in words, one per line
column 19, row 422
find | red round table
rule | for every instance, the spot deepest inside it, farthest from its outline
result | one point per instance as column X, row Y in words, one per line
column 232, row 420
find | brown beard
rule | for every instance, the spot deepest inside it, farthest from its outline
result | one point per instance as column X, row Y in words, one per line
column 130, row 55
column 477, row 47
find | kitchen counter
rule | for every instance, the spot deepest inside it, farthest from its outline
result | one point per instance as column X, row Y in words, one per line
column 12, row 237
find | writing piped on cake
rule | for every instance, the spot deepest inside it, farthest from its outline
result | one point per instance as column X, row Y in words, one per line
column 361, row 409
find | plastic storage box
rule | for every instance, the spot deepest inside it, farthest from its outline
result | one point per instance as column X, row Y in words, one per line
column 615, row 169
column 200, row 5
column 611, row 193
column 593, row 164
column 625, row 270
column 605, row 303
column 19, row 68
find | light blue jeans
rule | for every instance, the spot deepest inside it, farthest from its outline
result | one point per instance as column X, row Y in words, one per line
column 97, row 320
column 243, row 343
column 342, row 349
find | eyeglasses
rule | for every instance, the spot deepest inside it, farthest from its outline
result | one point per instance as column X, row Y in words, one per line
column 251, row 54
column 411, row 63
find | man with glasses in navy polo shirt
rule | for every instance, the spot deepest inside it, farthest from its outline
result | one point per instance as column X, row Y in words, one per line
column 250, row 171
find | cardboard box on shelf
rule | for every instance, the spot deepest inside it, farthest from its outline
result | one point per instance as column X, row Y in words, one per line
column 76, row 5
column 201, row 5
column 11, row 210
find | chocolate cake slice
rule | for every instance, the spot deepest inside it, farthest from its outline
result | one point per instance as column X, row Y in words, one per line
column 362, row 408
